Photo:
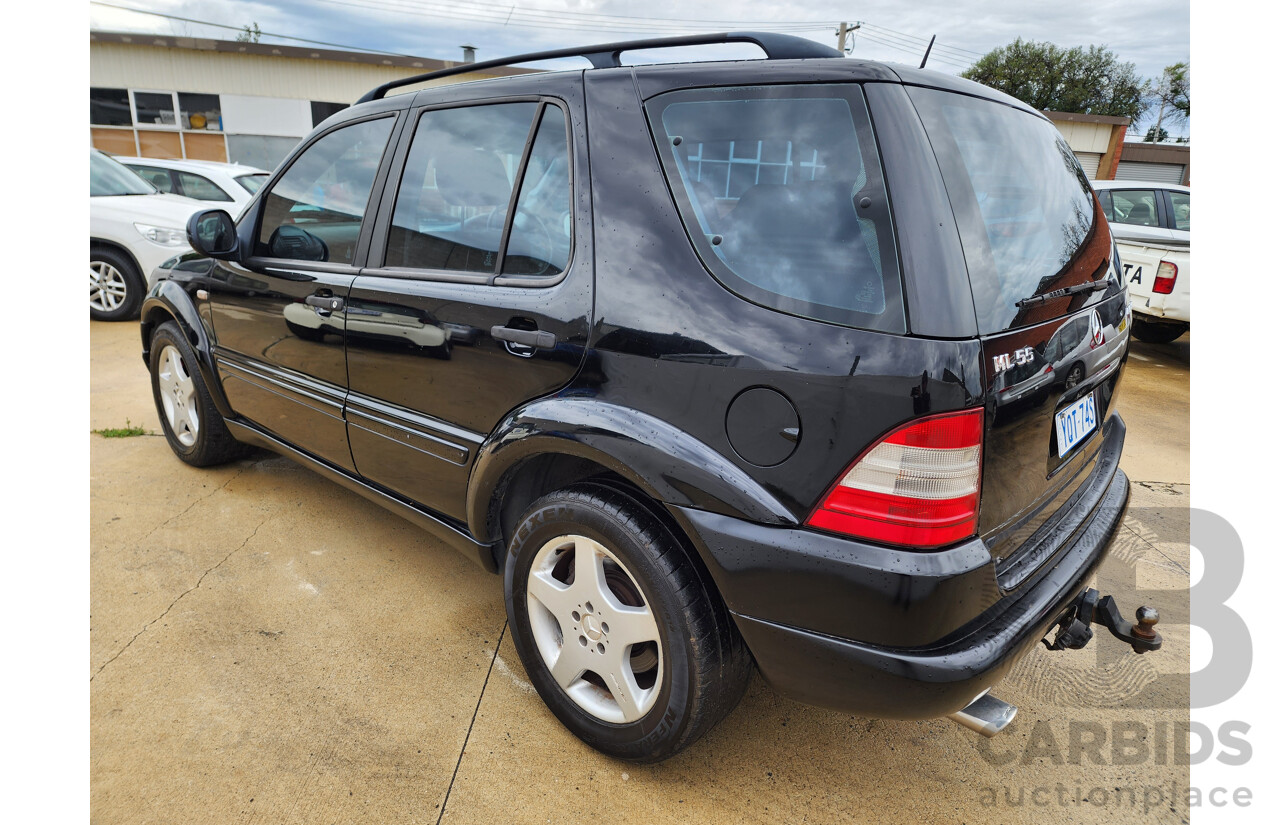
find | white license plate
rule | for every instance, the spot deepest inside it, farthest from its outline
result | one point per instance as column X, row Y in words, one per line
column 1074, row 423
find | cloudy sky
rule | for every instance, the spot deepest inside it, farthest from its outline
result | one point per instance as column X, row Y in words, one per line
column 1149, row 33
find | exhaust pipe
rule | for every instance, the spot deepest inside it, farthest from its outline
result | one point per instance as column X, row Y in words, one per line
column 987, row 715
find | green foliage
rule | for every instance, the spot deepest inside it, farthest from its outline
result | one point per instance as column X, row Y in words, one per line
column 1155, row 137
column 127, row 431
column 250, row 34
column 1088, row 81
column 1172, row 92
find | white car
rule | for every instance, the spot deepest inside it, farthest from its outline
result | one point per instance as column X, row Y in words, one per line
column 227, row 183
column 1151, row 223
column 132, row 230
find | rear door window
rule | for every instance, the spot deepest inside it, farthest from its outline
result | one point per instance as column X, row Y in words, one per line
column 451, row 208
column 1135, row 206
column 781, row 191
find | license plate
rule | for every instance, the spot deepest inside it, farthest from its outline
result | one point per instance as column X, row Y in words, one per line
column 1074, row 423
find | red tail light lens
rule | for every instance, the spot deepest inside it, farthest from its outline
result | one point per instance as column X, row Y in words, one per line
column 917, row 487
column 1166, row 276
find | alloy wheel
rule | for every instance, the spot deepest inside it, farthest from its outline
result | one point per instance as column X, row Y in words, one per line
column 594, row 630
column 178, row 396
column 107, row 287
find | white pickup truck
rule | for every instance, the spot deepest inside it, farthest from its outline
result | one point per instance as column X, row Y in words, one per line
column 1151, row 223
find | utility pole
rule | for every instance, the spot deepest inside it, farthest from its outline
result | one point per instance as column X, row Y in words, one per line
column 842, row 35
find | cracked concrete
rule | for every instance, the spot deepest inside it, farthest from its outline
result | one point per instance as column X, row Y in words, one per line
column 282, row 651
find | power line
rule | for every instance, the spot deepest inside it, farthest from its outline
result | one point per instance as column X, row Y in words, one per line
column 914, row 50
column 241, row 29
column 923, row 40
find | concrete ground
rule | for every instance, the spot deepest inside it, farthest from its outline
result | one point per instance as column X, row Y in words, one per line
column 268, row 647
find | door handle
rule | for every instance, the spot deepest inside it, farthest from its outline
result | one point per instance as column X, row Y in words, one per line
column 327, row 303
column 537, row 338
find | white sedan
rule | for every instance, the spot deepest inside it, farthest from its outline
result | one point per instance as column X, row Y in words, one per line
column 132, row 230
column 230, row 184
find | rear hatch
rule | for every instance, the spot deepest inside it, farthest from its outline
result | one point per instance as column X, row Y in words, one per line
column 1053, row 315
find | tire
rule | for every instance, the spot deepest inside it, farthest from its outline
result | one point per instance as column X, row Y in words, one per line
column 192, row 424
column 1075, row 376
column 649, row 623
column 115, row 285
column 1154, row 333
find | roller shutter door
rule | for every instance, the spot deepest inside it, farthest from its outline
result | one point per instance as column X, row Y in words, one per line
column 1089, row 162
column 1155, row 172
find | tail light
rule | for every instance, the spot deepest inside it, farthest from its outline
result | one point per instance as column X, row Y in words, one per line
column 1166, row 275
column 918, row 486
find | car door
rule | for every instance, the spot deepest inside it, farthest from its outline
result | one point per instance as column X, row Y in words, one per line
column 477, row 297
column 1178, row 208
column 277, row 314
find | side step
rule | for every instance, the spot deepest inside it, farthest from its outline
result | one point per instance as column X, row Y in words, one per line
column 987, row 715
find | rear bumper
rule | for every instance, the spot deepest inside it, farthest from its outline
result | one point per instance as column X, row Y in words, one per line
column 884, row 633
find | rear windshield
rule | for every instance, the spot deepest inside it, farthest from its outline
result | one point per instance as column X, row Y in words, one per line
column 781, row 191
column 108, row 176
column 1026, row 213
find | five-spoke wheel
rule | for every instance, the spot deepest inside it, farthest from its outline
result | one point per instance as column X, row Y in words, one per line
column 190, row 420
column 593, row 629
column 617, row 625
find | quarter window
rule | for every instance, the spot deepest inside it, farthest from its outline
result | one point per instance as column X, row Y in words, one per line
column 452, row 205
column 781, row 191
column 542, row 230
column 1181, row 202
column 314, row 212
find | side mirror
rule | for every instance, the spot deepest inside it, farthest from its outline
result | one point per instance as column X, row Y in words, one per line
column 212, row 232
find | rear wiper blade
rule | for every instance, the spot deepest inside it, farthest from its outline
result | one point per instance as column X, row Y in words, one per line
column 1091, row 286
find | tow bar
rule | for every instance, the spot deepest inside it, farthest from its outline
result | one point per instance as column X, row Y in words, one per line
column 1074, row 631
column 988, row 715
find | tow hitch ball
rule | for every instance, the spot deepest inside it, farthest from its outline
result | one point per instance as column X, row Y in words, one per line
column 1074, row 631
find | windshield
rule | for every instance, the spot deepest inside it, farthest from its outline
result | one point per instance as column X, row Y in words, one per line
column 253, row 182
column 1027, row 216
column 110, row 177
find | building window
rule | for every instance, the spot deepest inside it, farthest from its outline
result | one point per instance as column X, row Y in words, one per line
column 155, row 109
column 109, row 107
column 200, row 112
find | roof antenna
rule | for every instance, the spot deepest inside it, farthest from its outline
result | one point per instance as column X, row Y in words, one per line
column 927, row 50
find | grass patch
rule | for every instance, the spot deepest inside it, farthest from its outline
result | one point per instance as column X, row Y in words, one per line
column 127, row 431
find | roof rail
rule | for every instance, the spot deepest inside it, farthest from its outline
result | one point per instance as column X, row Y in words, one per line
column 607, row 55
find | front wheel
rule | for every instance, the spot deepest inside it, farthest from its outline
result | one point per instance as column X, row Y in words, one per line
column 192, row 424
column 115, row 285
column 616, row 627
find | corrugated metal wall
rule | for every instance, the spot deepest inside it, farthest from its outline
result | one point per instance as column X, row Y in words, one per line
column 1089, row 163
column 1154, row 172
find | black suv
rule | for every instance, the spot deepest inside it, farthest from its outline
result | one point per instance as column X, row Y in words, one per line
column 715, row 364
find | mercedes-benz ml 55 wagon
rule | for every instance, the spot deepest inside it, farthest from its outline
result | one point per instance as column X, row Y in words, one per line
column 718, row 366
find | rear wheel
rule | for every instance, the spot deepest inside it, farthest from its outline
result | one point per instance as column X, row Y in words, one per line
column 115, row 285
column 192, row 424
column 618, row 631
column 1154, row 333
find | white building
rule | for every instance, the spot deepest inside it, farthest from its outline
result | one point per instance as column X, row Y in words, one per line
column 189, row 97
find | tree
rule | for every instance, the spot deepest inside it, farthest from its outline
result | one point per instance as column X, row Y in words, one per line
column 250, row 34
column 1088, row 81
column 1172, row 95
column 1155, row 135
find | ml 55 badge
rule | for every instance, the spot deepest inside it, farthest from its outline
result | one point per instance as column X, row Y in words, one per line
column 1016, row 358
